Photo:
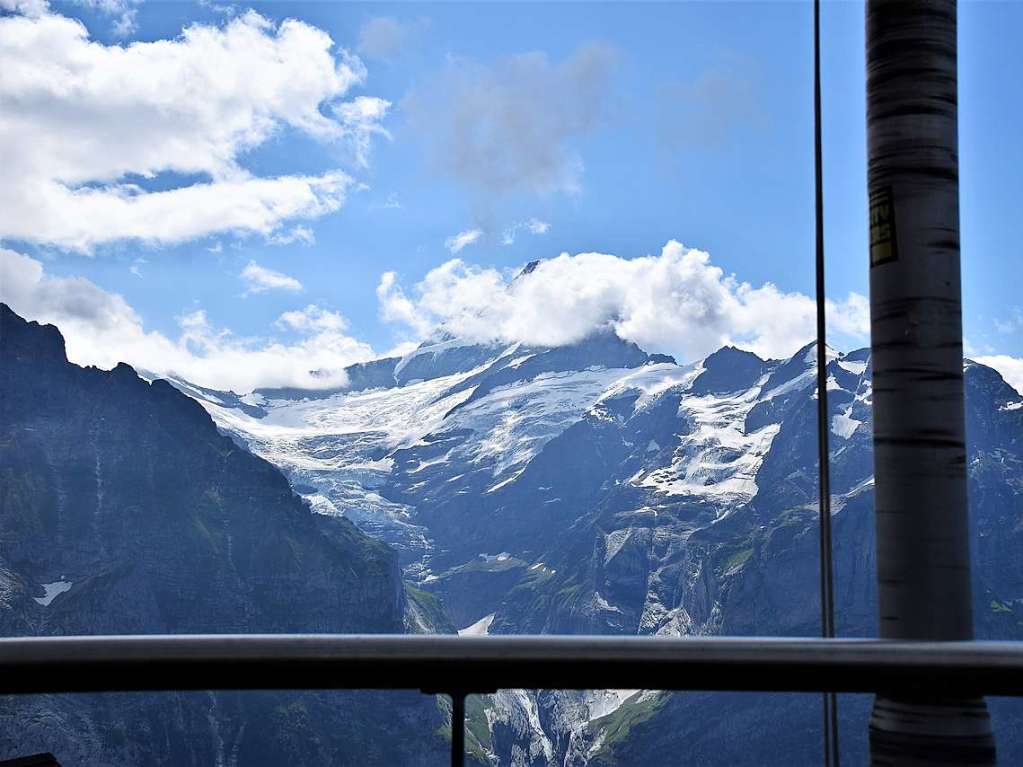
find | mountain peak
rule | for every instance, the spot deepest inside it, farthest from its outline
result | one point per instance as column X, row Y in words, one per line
column 858, row 355
column 808, row 353
column 728, row 369
column 21, row 338
column 528, row 268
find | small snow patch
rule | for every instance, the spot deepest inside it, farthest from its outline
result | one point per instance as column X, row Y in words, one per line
column 480, row 628
column 504, row 482
column 603, row 604
column 502, row 557
column 321, row 504
column 852, row 366
column 52, row 591
column 519, row 360
column 614, row 541
column 843, row 425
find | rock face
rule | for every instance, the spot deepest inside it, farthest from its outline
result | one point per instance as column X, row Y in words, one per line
column 598, row 489
column 125, row 510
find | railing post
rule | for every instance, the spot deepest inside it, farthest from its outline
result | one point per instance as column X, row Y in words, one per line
column 916, row 326
column 457, row 729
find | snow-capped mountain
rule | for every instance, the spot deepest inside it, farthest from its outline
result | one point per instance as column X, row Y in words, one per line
column 475, row 457
column 596, row 488
column 591, row 488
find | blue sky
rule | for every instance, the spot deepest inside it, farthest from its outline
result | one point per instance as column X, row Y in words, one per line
column 605, row 127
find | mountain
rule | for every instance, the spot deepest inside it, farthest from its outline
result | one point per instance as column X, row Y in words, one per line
column 598, row 489
column 589, row 488
column 125, row 510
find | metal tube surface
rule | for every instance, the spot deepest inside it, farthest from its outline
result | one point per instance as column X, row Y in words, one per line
column 923, row 550
column 470, row 665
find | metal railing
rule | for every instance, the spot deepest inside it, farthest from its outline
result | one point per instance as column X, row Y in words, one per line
column 460, row 666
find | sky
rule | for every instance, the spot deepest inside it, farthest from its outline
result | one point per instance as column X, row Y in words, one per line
column 258, row 194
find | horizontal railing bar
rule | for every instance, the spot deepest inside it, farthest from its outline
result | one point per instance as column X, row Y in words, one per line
column 444, row 664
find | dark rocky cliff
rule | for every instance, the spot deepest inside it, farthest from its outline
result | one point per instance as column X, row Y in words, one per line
column 124, row 510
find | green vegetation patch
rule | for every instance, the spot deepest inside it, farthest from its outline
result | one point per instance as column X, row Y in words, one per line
column 430, row 609
column 737, row 559
column 1000, row 607
column 617, row 725
column 477, row 723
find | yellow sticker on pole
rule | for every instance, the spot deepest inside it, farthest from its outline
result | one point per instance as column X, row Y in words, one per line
column 883, row 243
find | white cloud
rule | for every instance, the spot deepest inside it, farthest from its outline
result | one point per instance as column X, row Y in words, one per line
column 302, row 234
column 677, row 302
column 101, row 329
column 462, row 240
column 1010, row 368
column 361, row 117
column 1012, row 324
column 396, row 307
column 225, row 9
column 260, row 279
column 532, row 225
column 511, row 127
column 312, row 318
column 391, row 203
column 81, row 121
column 31, row 8
column 123, row 12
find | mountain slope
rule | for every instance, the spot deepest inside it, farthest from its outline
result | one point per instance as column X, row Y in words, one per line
column 124, row 510
column 598, row 489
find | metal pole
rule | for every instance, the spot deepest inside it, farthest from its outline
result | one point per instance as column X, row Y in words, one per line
column 923, row 557
column 437, row 664
column 457, row 729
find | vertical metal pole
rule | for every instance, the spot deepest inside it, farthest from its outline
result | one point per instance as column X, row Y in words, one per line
column 457, row 729
column 829, row 701
column 923, row 557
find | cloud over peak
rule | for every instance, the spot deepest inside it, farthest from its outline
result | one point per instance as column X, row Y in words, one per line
column 676, row 302
column 1010, row 368
column 101, row 328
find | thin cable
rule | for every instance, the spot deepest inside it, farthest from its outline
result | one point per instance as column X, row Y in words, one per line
column 829, row 700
